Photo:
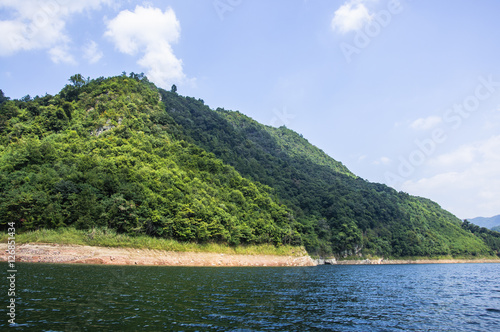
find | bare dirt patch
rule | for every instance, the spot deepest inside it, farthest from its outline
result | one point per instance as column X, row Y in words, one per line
column 54, row 253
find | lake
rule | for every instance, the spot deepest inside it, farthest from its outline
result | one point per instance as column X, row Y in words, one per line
column 434, row 297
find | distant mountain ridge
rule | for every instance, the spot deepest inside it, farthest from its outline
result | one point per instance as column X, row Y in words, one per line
column 486, row 222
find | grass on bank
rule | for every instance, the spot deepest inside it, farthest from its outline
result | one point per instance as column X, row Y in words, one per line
column 105, row 237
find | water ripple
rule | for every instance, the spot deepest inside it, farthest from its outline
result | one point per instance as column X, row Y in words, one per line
column 460, row 297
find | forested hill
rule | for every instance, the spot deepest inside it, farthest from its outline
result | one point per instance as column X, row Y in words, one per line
column 103, row 154
column 123, row 154
column 335, row 211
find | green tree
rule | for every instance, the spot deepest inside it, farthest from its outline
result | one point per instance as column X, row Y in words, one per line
column 3, row 98
column 77, row 80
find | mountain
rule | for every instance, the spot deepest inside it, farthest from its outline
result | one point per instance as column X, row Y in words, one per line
column 121, row 153
column 486, row 222
column 336, row 212
column 100, row 155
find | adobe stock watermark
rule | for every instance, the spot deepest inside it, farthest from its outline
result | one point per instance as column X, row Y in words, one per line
column 281, row 118
column 371, row 30
column 224, row 6
column 40, row 19
column 11, row 272
column 454, row 117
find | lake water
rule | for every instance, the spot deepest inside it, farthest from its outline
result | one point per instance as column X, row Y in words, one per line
column 436, row 297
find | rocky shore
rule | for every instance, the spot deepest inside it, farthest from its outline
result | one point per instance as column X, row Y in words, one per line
column 381, row 261
column 74, row 254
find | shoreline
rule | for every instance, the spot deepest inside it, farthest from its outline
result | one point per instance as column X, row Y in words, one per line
column 80, row 254
column 415, row 261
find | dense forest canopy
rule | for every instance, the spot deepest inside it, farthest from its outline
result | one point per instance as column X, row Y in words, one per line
column 100, row 154
column 120, row 153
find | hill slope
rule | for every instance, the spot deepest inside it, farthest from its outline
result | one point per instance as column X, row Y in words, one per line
column 122, row 154
column 101, row 154
column 337, row 212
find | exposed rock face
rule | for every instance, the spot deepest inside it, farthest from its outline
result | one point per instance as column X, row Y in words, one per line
column 319, row 261
column 355, row 251
column 378, row 261
column 107, row 127
column 323, row 261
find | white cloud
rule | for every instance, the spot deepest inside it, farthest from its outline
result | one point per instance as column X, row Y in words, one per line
column 462, row 157
column 91, row 52
column 465, row 181
column 40, row 24
column 150, row 32
column 351, row 16
column 60, row 54
column 426, row 123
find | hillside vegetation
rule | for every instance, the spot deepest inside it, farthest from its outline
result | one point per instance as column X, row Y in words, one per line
column 121, row 154
column 101, row 155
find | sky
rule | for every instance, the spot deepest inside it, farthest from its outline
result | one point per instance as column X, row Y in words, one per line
column 405, row 93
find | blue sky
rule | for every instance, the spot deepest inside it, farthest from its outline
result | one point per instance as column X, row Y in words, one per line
column 405, row 93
